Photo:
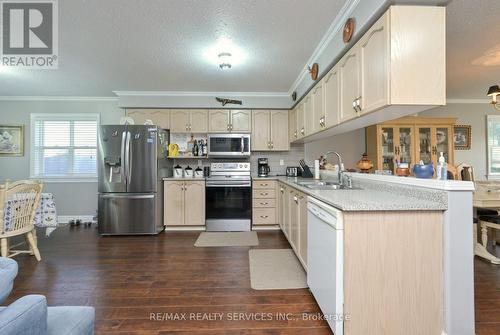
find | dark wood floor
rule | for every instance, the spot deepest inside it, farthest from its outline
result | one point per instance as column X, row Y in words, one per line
column 128, row 278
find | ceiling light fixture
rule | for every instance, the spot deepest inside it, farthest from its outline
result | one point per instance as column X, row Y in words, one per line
column 225, row 51
column 225, row 60
column 493, row 92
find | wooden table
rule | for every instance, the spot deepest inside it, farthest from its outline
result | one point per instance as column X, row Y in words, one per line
column 486, row 196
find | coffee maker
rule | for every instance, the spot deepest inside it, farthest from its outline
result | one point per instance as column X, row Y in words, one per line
column 264, row 168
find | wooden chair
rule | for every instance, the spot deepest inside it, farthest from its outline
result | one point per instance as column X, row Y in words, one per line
column 465, row 172
column 26, row 197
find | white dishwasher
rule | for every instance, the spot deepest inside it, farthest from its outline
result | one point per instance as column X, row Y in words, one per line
column 325, row 261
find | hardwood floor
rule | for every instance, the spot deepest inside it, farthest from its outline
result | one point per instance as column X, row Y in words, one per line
column 128, row 278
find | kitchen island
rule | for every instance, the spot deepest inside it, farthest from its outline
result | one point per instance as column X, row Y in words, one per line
column 408, row 255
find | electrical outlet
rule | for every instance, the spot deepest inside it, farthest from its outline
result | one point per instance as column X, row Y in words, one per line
column 282, row 162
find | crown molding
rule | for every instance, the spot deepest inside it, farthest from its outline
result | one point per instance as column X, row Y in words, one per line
column 55, row 98
column 199, row 94
column 335, row 27
column 468, row 101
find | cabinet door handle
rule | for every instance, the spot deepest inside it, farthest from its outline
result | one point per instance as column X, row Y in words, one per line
column 263, row 184
column 295, row 134
column 227, row 126
column 264, row 203
column 264, row 216
column 296, row 199
column 302, row 131
column 264, row 193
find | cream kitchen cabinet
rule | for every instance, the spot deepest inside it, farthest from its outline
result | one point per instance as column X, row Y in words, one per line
column 301, row 130
column 383, row 74
column 292, row 133
column 349, row 85
column 189, row 120
column 293, row 219
column 224, row 120
column 308, row 115
column 331, row 101
column 270, row 130
column 184, row 203
column 160, row 117
column 318, row 108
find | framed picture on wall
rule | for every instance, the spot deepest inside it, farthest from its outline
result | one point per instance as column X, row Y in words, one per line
column 462, row 137
column 11, row 140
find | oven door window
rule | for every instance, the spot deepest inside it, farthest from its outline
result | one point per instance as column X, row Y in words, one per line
column 228, row 144
column 228, row 202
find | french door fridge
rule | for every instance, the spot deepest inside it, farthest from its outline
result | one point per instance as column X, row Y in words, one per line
column 131, row 162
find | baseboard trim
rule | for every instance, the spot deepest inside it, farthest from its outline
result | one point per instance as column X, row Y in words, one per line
column 266, row 227
column 194, row 228
column 68, row 218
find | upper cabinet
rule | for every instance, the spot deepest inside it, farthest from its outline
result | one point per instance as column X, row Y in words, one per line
column 270, row 130
column 400, row 61
column 224, row 120
column 318, row 109
column 349, row 85
column 160, row 117
column 331, row 92
column 292, row 119
column 189, row 120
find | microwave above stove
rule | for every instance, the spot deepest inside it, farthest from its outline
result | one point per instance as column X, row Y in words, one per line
column 229, row 145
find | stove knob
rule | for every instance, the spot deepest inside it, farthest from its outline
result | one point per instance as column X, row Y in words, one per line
column 241, row 165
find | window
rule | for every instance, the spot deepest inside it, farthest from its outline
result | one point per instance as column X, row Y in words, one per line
column 493, row 129
column 64, row 146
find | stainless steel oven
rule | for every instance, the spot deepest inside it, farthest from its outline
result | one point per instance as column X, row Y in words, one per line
column 228, row 197
column 229, row 145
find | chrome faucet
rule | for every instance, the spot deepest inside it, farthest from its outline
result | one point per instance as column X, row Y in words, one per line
column 341, row 166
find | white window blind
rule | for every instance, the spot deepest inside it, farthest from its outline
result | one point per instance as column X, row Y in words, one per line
column 493, row 146
column 64, row 145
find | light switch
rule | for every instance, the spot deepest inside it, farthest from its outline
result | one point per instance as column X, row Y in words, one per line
column 282, row 162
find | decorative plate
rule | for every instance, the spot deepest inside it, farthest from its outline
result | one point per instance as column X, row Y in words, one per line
column 349, row 26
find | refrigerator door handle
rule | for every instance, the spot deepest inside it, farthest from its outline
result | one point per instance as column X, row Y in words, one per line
column 127, row 196
column 123, row 157
column 128, row 152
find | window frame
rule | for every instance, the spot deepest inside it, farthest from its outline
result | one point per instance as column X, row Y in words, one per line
column 34, row 117
column 490, row 175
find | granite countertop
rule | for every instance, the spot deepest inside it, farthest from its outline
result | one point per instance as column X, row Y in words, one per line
column 370, row 198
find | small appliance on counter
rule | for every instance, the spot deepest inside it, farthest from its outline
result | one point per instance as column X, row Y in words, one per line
column 206, row 171
column 178, row 172
column 292, row 171
column 263, row 167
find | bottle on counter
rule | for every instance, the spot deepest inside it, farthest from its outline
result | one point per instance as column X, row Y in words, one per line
column 195, row 148
column 205, row 147
column 442, row 168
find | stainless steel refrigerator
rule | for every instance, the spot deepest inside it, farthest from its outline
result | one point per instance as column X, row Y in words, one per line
column 132, row 160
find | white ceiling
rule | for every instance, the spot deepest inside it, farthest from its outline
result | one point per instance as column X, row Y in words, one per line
column 158, row 45
column 473, row 35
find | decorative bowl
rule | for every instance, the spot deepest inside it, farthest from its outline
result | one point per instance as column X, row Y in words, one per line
column 425, row 171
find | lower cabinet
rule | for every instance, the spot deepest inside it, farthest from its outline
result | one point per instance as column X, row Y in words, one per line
column 293, row 219
column 264, row 203
column 184, row 203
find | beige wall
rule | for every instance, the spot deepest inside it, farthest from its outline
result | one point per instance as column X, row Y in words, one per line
column 350, row 146
column 473, row 114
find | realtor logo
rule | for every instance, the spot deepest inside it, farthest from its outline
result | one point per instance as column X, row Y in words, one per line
column 29, row 34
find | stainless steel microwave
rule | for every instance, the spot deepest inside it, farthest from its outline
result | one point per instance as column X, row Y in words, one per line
column 229, row 145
